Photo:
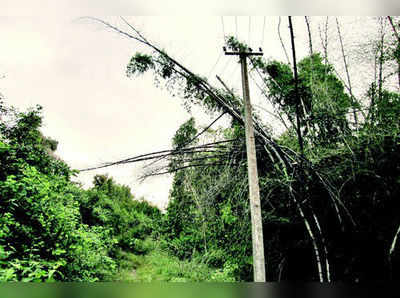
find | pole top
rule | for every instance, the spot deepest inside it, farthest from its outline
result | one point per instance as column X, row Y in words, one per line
column 244, row 53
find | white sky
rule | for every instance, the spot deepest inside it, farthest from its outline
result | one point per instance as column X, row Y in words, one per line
column 76, row 71
column 194, row 8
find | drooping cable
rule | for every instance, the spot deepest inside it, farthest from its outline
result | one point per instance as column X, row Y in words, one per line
column 263, row 31
column 225, row 67
column 249, row 29
column 236, row 28
column 223, row 27
column 219, row 58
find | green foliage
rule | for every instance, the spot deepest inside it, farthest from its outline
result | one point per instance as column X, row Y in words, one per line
column 351, row 186
column 49, row 143
column 50, row 229
column 184, row 134
column 206, row 211
column 139, row 64
column 235, row 45
column 320, row 98
column 28, row 145
column 179, row 81
column 112, row 206
column 42, row 233
column 384, row 114
column 347, row 179
column 159, row 266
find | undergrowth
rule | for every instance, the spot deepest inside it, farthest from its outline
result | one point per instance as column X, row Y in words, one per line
column 159, row 266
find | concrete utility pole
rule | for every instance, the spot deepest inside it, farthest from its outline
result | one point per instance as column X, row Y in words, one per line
column 254, row 189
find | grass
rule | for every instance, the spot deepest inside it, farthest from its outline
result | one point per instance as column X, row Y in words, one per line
column 159, row 266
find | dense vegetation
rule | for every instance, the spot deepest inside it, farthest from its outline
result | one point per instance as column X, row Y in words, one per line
column 51, row 229
column 329, row 183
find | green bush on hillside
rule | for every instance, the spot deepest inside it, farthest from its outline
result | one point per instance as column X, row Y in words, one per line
column 51, row 229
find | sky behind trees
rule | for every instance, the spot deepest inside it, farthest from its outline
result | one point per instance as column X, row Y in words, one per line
column 75, row 69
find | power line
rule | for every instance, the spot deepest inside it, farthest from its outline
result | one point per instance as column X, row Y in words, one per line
column 233, row 78
column 263, row 30
column 262, row 93
column 210, row 147
column 266, row 95
column 249, row 29
column 336, row 114
column 219, row 58
column 223, row 26
column 236, row 28
column 225, row 66
column 234, row 70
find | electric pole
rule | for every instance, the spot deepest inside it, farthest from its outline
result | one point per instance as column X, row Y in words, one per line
column 254, row 189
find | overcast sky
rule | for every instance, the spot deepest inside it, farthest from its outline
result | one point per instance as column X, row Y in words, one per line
column 193, row 8
column 75, row 69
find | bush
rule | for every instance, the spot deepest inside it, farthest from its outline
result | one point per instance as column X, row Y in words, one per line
column 42, row 237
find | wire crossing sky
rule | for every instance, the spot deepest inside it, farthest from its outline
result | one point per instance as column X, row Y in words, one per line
column 75, row 69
